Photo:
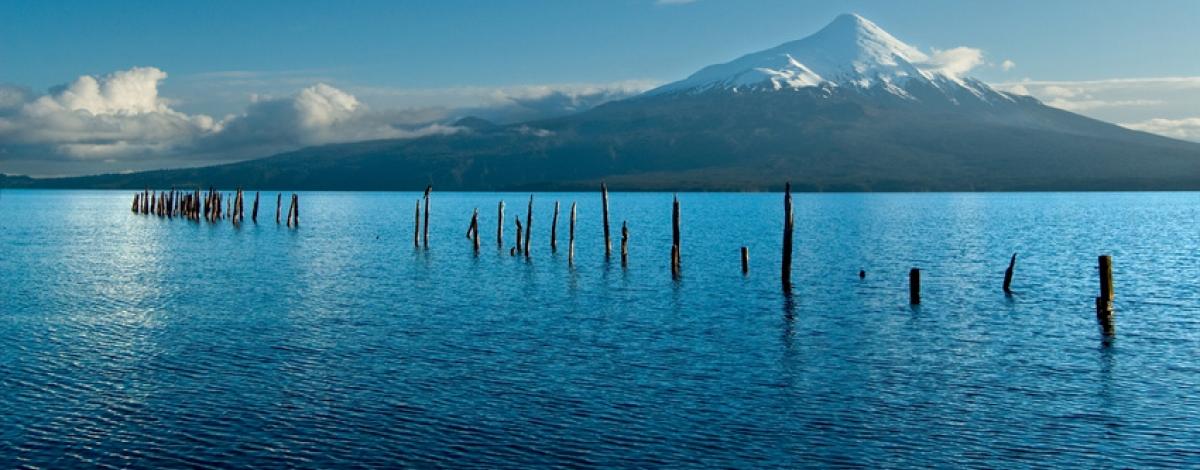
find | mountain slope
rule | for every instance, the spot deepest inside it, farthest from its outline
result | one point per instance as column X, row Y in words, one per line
column 848, row 108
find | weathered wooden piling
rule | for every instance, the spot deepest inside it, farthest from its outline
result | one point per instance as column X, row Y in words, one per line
column 624, row 244
column 417, row 225
column 745, row 260
column 604, row 203
column 914, row 286
column 278, row 206
column 518, row 247
column 135, row 203
column 500, row 224
column 786, row 274
column 254, row 211
column 528, row 225
column 678, row 251
column 293, row 217
column 473, row 232
column 1008, row 274
column 554, row 230
column 425, row 229
column 1106, row 286
column 1104, row 306
column 571, row 240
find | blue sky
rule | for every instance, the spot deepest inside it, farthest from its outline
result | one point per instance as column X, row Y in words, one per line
column 1126, row 62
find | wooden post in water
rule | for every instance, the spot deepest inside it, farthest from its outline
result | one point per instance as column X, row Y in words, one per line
column 475, row 229
column 417, row 225
column 1106, row 286
column 296, row 217
column 1104, row 306
column 528, row 225
column 428, row 189
column 554, row 230
column 518, row 247
column 1008, row 274
column 500, row 224
column 914, row 286
column 604, row 202
column 254, row 211
column 291, row 211
column 135, row 203
column 745, row 260
column 571, row 240
column 278, row 203
column 678, row 251
column 787, row 238
column 624, row 244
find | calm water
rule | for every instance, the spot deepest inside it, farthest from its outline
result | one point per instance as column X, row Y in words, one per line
column 130, row 340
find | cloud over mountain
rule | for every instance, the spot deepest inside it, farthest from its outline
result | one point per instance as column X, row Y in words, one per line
column 119, row 122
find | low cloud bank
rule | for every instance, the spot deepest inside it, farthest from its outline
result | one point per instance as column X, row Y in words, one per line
column 119, row 122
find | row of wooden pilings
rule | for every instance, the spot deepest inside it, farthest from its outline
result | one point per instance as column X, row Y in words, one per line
column 193, row 205
column 212, row 206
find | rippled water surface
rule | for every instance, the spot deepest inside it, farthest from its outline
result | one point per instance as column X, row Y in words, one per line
column 129, row 340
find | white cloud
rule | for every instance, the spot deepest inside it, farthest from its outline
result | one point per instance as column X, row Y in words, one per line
column 120, row 113
column 1186, row 128
column 1018, row 90
column 954, row 62
column 1007, row 65
column 1090, row 104
column 1161, row 105
column 120, row 122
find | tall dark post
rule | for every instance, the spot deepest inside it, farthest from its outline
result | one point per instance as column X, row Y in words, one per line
column 518, row 247
column 296, row 217
column 474, row 230
column 914, row 286
column 787, row 238
column 291, row 208
column 1008, row 274
column 571, row 241
column 500, row 224
column 428, row 189
column 528, row 225
column 254, row 211
column 278, row 206
column 604, row 202
column 745, row 260
column 1104, row 306
column 1106, row 286
column 678, row 251
column 417, row 225
column 554, row 230
column 624, row 244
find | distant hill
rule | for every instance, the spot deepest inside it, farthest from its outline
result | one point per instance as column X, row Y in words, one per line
column 849, row 108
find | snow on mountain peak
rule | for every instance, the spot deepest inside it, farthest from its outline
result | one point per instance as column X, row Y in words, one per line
column 850, row 52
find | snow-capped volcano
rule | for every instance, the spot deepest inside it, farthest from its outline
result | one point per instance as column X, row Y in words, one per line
column 850, row 108
column 851, row 52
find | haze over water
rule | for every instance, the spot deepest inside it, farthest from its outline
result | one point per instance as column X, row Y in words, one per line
column 134, row 340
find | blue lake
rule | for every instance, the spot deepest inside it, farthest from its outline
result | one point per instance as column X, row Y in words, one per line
column 130, row 340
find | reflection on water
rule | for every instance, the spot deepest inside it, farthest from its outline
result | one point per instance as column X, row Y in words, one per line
column 130, row 340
